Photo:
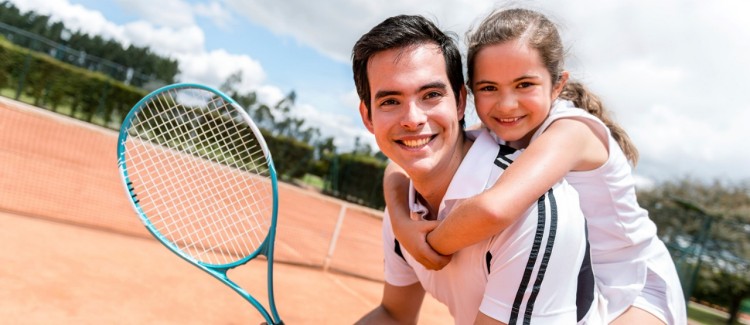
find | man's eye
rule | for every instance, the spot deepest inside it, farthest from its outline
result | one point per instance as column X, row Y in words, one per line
column 433, row 94
column 388, row 102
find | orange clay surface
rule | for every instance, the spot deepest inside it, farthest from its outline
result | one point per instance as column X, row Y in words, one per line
column 72, row 251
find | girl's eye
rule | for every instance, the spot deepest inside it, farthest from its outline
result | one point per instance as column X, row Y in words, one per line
column 487, row 88
column 525, row 84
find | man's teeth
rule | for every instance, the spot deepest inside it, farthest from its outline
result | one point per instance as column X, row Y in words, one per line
column 416, row 143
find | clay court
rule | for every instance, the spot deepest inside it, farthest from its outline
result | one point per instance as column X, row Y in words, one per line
column 74, row 252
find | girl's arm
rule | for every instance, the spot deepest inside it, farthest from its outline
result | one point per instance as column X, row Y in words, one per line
column 411, row 234
column 565, row 146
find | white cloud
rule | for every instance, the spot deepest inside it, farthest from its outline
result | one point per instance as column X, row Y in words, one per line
column 343, row 128
column 166, row 38
column 177, row 37
column 75, row 17
column 216, row 12
column 165, row 41
column 214, row 67
column 332, row 27
column 672, row 72
column 270, row 95
column 673, row 144
column 669, row 71
column 177, row 14
column 168, row 13
column 350, row 99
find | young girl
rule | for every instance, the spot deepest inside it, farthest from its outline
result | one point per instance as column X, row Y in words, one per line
column 522, row 94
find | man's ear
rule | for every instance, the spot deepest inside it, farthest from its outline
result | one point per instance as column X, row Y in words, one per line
column 461, row 102
column 364, row 112
column 558, row 87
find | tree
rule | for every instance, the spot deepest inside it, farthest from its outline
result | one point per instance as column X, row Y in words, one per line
column 710, row 224
column 361, row 148
column 145, row 65
column 381, row 156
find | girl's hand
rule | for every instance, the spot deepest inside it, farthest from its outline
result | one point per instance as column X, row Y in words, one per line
column 412, row 235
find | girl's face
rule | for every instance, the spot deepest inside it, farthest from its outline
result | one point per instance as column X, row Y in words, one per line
column 513, row 91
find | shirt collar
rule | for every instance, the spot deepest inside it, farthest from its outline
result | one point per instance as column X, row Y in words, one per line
column 470, row 178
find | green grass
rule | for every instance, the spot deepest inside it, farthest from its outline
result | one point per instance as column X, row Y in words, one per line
column 314, row 181
column 11, row 93
column 705, row 317
column 63, row 109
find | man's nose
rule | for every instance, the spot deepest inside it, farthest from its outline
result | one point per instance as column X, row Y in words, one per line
column 414, row 117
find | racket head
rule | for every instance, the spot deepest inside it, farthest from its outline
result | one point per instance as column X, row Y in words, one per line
column 200, row 175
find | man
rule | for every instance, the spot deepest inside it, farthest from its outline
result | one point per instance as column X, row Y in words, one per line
column 409, row 79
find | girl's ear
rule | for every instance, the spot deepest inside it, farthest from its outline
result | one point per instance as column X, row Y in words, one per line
column 560, row 85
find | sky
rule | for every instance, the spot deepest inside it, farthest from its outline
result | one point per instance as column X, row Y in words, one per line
column 671, row 72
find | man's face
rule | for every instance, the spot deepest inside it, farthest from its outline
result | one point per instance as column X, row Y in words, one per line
column 414, row 115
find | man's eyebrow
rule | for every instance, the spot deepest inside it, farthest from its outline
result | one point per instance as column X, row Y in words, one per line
column 436, row 84
column 432, row 85
column 385, row 93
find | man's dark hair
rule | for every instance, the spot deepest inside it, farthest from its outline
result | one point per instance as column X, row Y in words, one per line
column 400, row 32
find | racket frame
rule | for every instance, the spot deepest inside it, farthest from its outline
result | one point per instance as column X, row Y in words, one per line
column 218, row 271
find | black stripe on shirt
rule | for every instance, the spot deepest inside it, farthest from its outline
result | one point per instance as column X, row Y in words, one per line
column 488, row 260
column 501, row 164
column 541, row 220
column 507, row 150
column 397, row 249
column 502, row 159
column 545, row 259
column 585, row 293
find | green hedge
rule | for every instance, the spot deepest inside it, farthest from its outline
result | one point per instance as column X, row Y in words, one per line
column 291, row 158
column 358, row 179
column 53, row 84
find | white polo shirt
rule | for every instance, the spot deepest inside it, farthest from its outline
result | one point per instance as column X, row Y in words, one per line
column 529, row 270
column 627, row 256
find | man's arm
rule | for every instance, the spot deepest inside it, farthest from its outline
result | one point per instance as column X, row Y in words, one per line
column 483, row 319
column 410, row 234
column 400, row 305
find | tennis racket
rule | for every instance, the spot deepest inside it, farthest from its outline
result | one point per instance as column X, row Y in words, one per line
column 202, row 181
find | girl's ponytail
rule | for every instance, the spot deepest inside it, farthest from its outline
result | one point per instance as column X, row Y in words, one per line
column 577, row 93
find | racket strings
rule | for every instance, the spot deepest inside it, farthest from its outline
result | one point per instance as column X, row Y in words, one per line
column 191, row 234
column 203, row 177
column 184, row 231
column 229, row 226
column 186, row 130
column 253, row 154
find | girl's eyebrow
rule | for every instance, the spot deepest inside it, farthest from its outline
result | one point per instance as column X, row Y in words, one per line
column 526, row 76
column 514, row 80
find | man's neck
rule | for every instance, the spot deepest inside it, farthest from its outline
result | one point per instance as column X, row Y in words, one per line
column 433, row 186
